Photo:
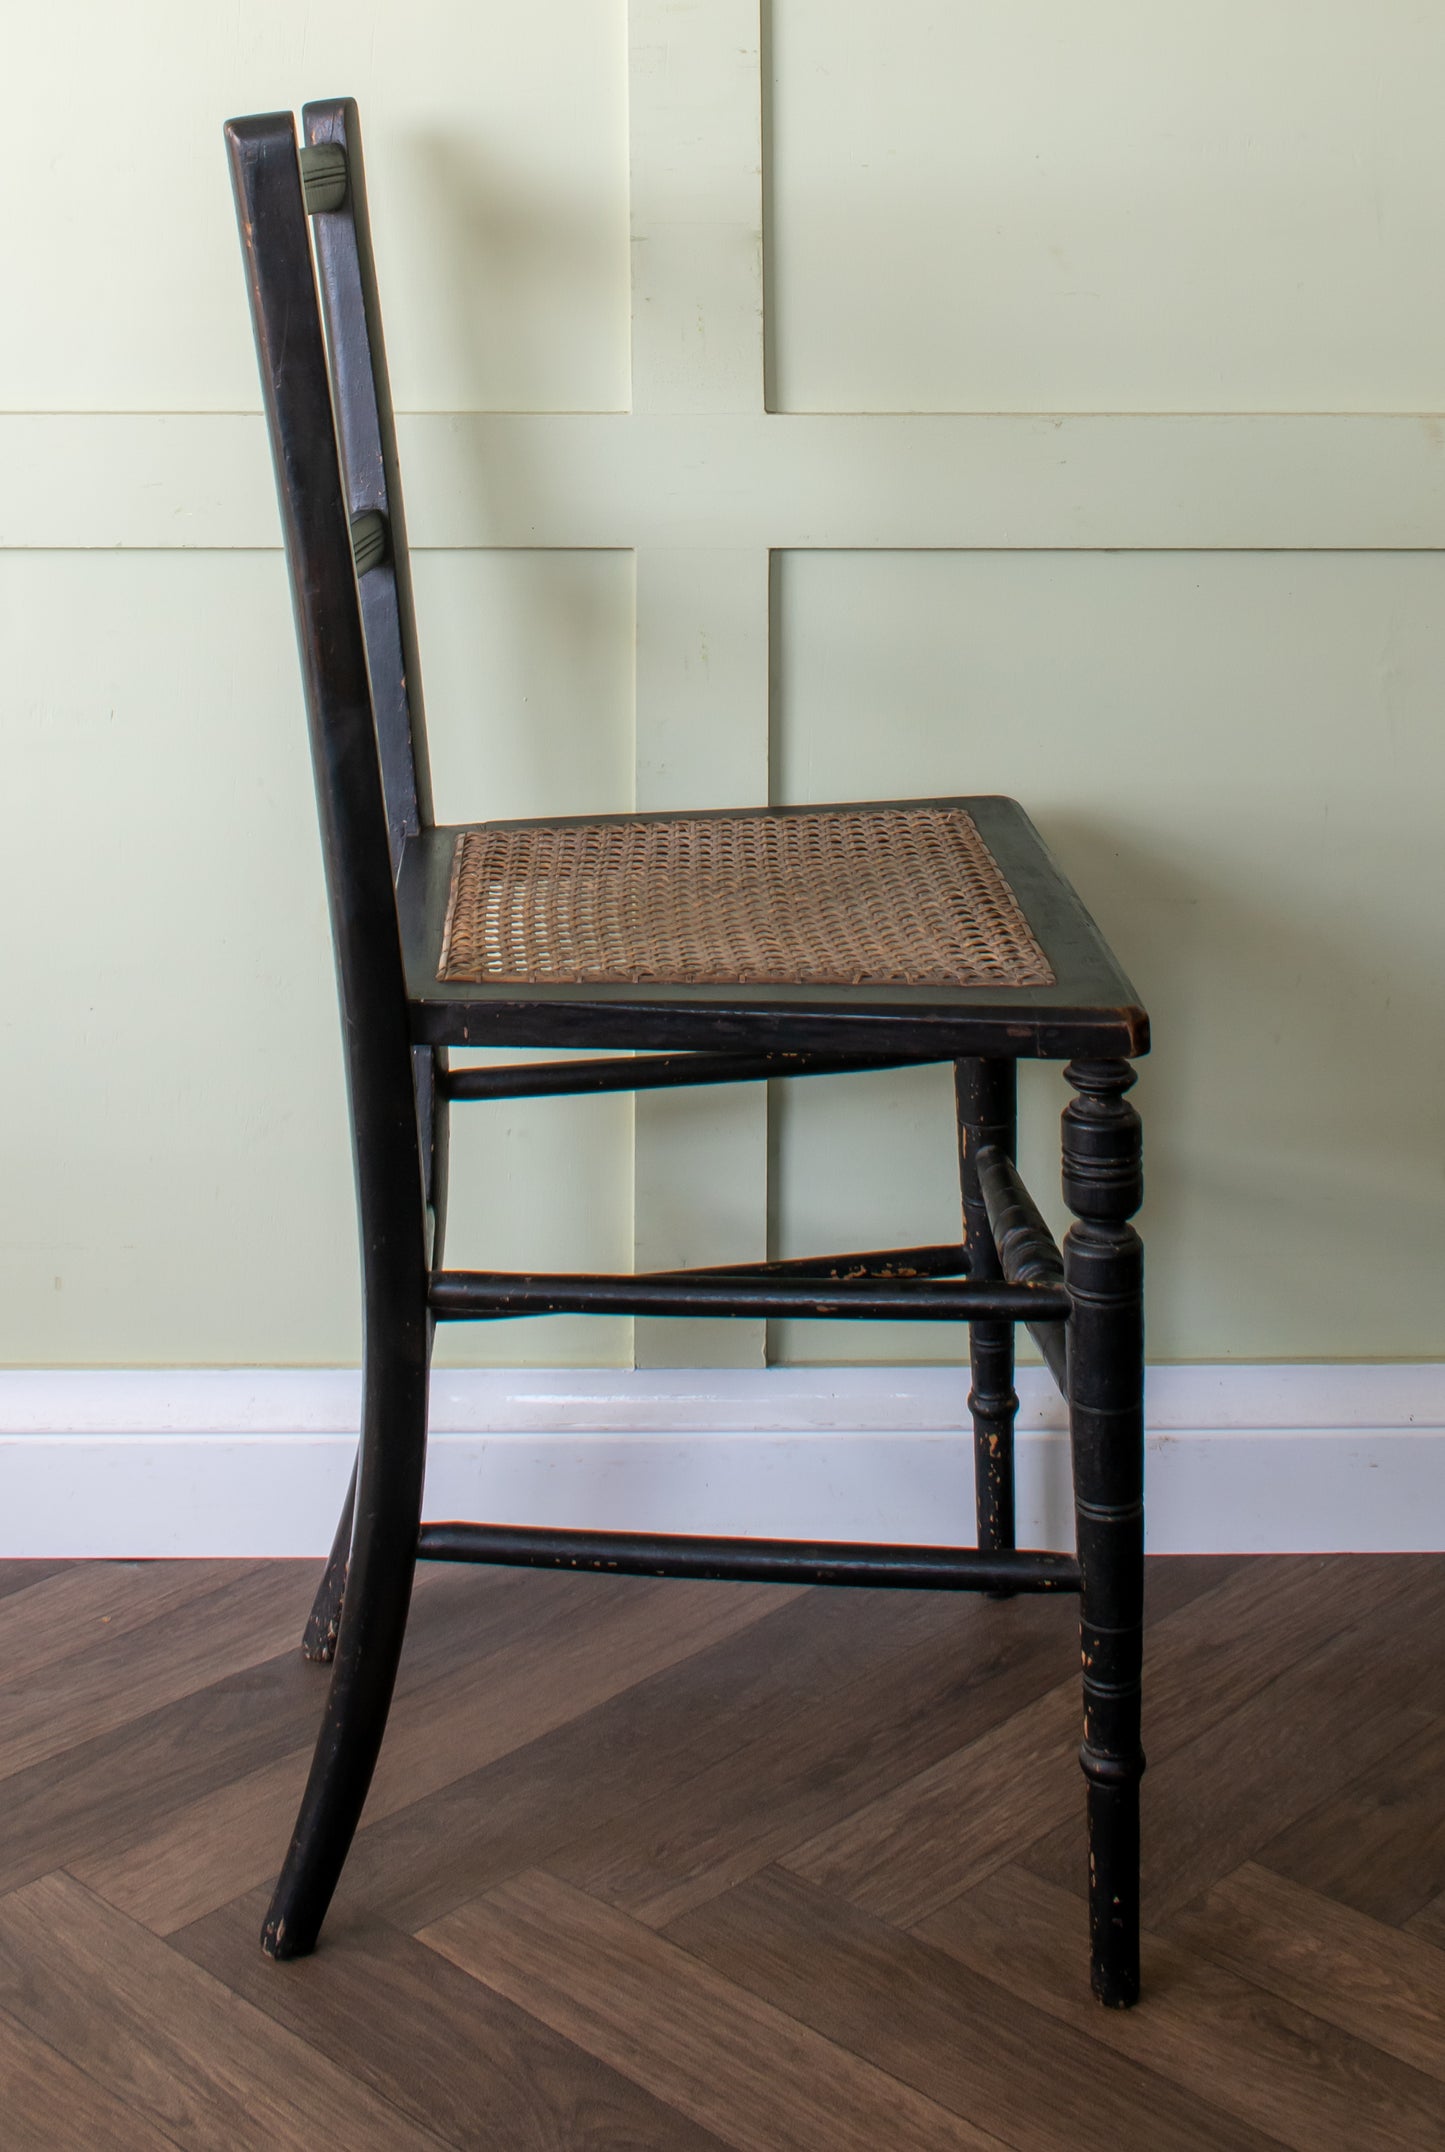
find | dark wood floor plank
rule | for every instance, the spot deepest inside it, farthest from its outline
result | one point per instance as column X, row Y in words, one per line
column 825, row 1747
column 657, row 1741
column 1384, row 1987
column 47, row 2103
column 605, row 1762
column 911, row 1850
column 1172, row 1581
column 60, row 1810
column 655, row 1738
column 86, row 1606
column 1271, row 1612
column 734, row 2064
column 1377, row 1843
column 845, row 1735
column 134, row 1663
column 120, row 1785
column 19, row 1575
column 1429, row 1923
column 174, row 2045
column 1212, row 1803
column 945, row 2029
column 199, row 1823
column 562, row 1645
column 1273, row 2065
column 427, row 2037
column 946, row 1829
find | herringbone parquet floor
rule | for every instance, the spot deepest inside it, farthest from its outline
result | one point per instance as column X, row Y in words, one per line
column 678, row 1865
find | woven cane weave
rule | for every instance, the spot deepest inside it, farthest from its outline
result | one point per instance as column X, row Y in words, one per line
column 843, row 897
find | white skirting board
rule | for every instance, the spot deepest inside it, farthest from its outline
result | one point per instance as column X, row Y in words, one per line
column 249, row 1462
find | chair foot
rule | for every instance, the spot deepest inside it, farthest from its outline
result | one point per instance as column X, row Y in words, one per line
column 278, row 1944
column 323, row 1623
column 368, row 1643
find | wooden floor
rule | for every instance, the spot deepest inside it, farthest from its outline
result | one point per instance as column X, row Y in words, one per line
column 680, row 1865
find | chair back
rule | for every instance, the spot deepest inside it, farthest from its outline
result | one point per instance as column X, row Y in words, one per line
column 333, row 193
column 340, row 515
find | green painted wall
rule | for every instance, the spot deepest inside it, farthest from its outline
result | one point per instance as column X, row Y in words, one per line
column 1237, row 752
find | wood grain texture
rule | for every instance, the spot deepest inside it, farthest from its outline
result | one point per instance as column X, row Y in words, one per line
column 173, row 1862
column 577, row 1646
column 580, row 1782
column 420, row 2033
column 1378, row 1843
column 18, row 1576
column 1429, row 1922
column 1279, row 1751
column 574, row 1794
column 174, row 2044
column 935, row 2023
column 946, row 1829
column 96, row 1669
column 574, row 1752
column 836, row 1737
column 986, row 1803
column 623, row 1993
column 73, row 1608
column 119, row 1783
column 1265, row 2060
column 1368, row 1979
column 45, row 2093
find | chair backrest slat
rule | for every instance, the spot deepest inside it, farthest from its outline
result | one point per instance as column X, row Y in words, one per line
column 362, row 396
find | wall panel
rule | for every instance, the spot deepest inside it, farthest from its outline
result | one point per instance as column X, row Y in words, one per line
column 496, row 142
column 1123, row 207
column 1239, row 759
column 594, row 220
column 176, row 1169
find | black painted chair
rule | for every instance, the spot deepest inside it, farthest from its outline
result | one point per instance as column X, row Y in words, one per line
column 717, row 948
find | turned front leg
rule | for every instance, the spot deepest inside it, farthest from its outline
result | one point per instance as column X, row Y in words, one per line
column 1104, row 1270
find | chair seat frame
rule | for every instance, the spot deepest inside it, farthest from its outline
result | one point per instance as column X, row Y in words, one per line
column 318, row 334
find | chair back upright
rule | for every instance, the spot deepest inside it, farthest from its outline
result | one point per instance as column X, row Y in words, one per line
column 347, row 757
column 333, row 177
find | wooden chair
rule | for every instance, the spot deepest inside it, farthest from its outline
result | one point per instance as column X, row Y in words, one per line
column 718, row 949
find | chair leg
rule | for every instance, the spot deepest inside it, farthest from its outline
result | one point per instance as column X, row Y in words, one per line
column 984, row 1093
column 1104, row 1267
column 373, row 1625
column 318, row 1643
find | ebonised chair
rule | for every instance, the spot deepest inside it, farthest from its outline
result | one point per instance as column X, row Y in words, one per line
column 715, row 949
